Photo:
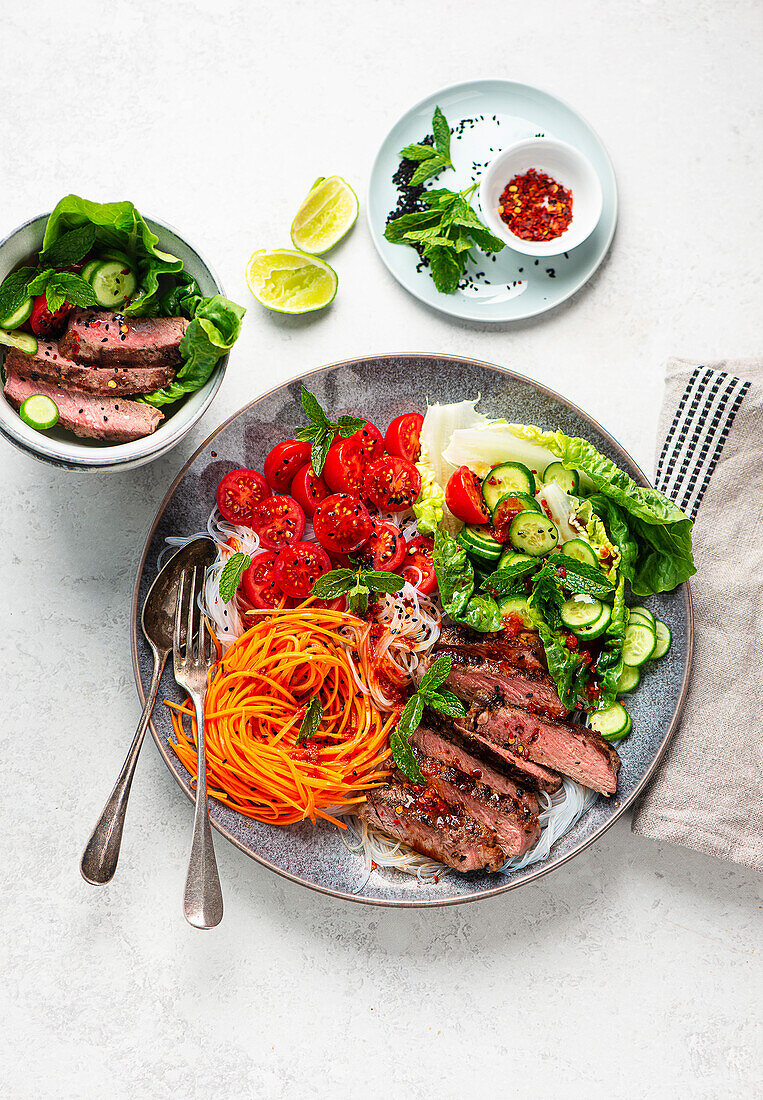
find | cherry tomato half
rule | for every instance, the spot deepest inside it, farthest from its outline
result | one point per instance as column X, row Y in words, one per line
column 44, row 323
column 259, row 582
column 463, row 496
column 392, row 483
column 238, row 493
column 385, row 548
column 348, row 459
column 342, row 523
column 403, row 436
column 308, row 489
column 278, row 521
column 338, row 604
column 283, row 462
column 420, row 557
column 298, row 567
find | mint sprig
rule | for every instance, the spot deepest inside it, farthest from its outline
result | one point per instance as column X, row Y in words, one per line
column 322, row 432
column 430, row 693
column 431, row 158
column 230, row 578
column 357, row 584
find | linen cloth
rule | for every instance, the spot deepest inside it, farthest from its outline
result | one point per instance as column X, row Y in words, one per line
column 708, row 791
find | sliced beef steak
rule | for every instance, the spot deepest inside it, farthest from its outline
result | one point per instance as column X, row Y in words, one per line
column 49, row 365
column 573, row 750
column 522, row 770
column 430, row 826
column 524, row 651
column 114, row 419
column 94, row 336
column 514, row 824
column 478, row 677
column 448, row 746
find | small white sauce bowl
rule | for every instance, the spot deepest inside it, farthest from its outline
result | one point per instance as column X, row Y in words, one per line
column 566, row 165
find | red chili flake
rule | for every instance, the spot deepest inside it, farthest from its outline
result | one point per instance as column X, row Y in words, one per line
column 535, row 207
column 571, row 641
column 561, row 572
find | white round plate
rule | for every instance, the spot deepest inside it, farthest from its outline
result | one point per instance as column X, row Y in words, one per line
column 511, row 286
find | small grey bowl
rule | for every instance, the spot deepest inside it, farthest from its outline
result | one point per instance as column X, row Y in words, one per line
column 61, row 448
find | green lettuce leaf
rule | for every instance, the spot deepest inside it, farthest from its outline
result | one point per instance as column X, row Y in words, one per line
column 609, row 667
column 455, row 574
column 212, row 332
column 565, row 665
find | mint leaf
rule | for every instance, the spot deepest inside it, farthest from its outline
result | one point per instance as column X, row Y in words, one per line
column 397, row 229
column 446, row 702
column 441, row 132
column 54, row 297
column 70, row 247
column 333, row 584
column 15, row 290
column 311, row 721
column 319, row 452
column 74, row 288
column 580, row 577
column 406, row 762
column 546, row 597
column 231, row 575
column 411, row 716
column 381, row 582
column 40, row 281
column 348, row 425
column 418, row 152
column 357, row 598
column 485, row 240
column 307, row 435
column 436, row 674
column 427, row 169
column 446, row 269
column 503, row 581
column 312, row 407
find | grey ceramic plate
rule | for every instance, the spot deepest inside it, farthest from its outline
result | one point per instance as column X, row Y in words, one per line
column 382, row 388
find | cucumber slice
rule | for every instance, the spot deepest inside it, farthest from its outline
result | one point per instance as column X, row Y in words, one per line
column 630, row 678
column 21, row 340
column 612, row 723
column 477, row 541
column 39, row 412
column 664, row 640
column 517, row 502
column 509, row 477
column 580, row 611
column 23, row 313
column 516, row 605
column 639, row 644
column 533, row 533
column 113, row 283
column 642, row 614
column 586, row 633
column 115, row 254
column 580, row 550
column 511, row 557
column 568, row 479
column 89, row 268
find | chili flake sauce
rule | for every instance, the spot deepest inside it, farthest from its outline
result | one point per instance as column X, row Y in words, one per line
column 535, row 207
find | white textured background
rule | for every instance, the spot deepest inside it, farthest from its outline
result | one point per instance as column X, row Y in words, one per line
column 632, row 971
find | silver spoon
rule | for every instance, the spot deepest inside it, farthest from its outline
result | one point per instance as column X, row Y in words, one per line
column 99, row 860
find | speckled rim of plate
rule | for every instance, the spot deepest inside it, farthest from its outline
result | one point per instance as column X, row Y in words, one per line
column 452, row 309
column 541, row 869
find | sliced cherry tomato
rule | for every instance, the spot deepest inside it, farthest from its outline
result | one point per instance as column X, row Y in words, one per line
column 298, row 567
column 385, row 548
column 504, row 513
column 44, row 323
column 463, row 496
column 403, row 436
column 339, row 604
column 370, row 439
column 278, row 521
column 392, row 483
column 420, row 556
column 283, row 462
column 342, row 523
column 238, row 493
column 308, row 489
column 348, row 459
column 259, row 582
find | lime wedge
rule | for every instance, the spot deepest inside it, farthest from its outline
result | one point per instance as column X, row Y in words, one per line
column 290, row 282
column 327, row 213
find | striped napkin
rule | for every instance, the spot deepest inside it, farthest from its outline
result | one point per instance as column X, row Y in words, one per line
column 708, row 791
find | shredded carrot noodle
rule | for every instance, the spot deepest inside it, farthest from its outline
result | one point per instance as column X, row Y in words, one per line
column 257, row 695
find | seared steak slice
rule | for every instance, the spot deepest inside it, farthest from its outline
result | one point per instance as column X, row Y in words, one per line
column 477, row 677
column 421, row 819
column 522, row 770
column 447, row 746
column 573, row 750
column 525, row 651
column 114, row 419
column 515, row 825
column 49, row 365
column 95, row 336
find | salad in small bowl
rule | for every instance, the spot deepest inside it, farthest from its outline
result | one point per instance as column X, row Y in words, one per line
column 114, row 336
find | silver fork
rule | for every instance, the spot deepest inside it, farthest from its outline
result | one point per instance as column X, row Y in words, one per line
column 203, row 899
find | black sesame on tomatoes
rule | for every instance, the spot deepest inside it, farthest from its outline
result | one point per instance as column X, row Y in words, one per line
column 283, row 462
column 392, row 483
column 278, row 521
column 238, row 493
column 298, row 567
column 259, row 582
column 385, row 549
column 418, row 564
column 308, row 489
column 342, row 523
